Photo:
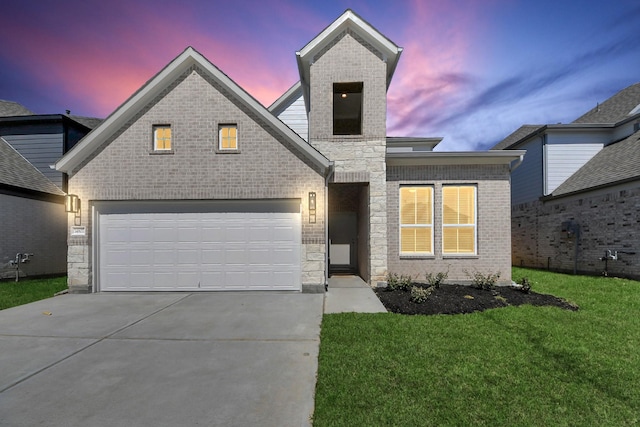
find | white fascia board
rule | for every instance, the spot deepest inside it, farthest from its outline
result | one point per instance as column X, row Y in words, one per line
column 491, row 157
column 389, row 50
column 154, row 87
column 295, row 139
column 285, row 97
column 122, row 114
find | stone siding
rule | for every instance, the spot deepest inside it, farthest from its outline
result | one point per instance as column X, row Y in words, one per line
column 609, row 219
column 126, row 168
column 493, row 228
column 357, row 158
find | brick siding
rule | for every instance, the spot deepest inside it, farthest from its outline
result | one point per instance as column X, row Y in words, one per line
column 357, row 158
column 608, row 220
column 493, row 228
column 32, row 226
column 125, row 168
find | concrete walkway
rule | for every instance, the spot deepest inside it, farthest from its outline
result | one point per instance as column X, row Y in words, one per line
column 170, row 359
column 348, row 293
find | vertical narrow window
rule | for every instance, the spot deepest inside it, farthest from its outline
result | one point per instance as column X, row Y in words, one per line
column 416, row 220
column 228, row 137
column 347, row 108
column 459, row 220
column 162, row 137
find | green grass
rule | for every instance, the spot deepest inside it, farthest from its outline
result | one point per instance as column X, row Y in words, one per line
column 524, row 366
column 26, row 291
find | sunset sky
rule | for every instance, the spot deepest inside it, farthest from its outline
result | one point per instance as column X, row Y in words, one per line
column 472, row 71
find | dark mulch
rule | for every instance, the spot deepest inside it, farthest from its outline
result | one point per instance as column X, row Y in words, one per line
column 458, row 299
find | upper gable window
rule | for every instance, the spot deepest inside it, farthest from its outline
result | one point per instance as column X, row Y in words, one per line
column 228, row 138
column 347, row 108
column 162, row 138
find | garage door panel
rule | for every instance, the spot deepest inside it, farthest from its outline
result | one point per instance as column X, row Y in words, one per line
column 199, row 251
column 163, row 257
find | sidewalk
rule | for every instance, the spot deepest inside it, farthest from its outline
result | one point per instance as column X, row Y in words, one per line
column 349, row 293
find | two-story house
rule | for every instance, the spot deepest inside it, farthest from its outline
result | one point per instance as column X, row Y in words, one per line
column 32, row 217
column 575, row 198
column 191, row 184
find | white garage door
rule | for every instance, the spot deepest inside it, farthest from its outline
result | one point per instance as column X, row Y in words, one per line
column 209, row 249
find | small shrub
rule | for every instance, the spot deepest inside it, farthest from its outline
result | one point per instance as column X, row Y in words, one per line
column 525, row 285
column 395, row 282
column 484, row 281
column 420, row 294
column 392, row 281
column 405, row 282
column 436, row 279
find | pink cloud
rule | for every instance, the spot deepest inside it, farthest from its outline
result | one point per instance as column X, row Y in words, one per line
column 433, row 66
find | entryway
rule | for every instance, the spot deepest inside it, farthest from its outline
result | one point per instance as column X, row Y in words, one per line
column 349, row 229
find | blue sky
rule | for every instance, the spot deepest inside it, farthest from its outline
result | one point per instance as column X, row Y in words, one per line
column 472, row 71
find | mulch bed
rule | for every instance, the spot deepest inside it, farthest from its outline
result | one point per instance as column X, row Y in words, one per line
column 458, row 299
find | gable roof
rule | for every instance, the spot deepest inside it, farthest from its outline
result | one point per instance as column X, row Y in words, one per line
column 188, row 58
column 615, row 163
column 615, row 109
column 89, row 122
column 16, row 171
column 286, row 98
column 10, row 108
column 349, row 20
column 521, row 133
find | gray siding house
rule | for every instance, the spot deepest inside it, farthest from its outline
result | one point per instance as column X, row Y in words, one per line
column 32, row 219
column 193, row 185
column 32, row 216
column 575, row 197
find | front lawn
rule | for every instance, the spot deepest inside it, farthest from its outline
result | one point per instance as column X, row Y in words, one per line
column 509, row 366
column 26, row 291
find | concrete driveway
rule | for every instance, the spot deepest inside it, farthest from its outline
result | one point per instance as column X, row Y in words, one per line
column 211, row 359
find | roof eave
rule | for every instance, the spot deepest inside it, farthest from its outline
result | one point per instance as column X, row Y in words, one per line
column 491, row 157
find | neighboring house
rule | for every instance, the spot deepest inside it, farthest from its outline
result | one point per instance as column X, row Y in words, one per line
column 32, row 216
column 576, row 197
column 42, row 138
column 192, row 184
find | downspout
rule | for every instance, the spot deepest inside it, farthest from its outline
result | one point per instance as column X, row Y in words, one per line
column 326, row 224
column 516, row 163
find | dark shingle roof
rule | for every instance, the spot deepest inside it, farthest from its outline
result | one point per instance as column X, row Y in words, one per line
column 614, row 109
column 614, row 163
column 90, row 122
column 10, row 108
column 522, row 132
column 16, row 171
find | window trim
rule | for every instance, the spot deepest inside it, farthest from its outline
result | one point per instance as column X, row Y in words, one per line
column 219, row 148
column 431, row 226
column 474, row 225
column 342, row 89
column 154, row 140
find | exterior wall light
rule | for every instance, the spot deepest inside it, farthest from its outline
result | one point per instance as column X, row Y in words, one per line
column 71, row 203
column 312, row 207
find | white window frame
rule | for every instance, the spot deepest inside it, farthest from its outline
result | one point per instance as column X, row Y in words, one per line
column 401, row 225
column 474, row 225
column 228, row 125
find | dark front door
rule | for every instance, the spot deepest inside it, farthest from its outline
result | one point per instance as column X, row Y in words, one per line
column 343, row 242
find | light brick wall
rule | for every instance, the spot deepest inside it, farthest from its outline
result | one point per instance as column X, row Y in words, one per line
column 32, row 226
column 359, row 158
column 126, row 169
column 493, row 228
column 609, row 219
